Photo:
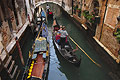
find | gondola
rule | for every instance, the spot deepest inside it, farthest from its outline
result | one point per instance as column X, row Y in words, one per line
column 49, row 14
column 67, row 53
column 38, row 61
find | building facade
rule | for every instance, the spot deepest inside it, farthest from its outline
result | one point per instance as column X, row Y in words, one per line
column 99, row 17
column 13, row 22
column 12, row 17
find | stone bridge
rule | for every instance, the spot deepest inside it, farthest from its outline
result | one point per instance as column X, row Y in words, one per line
column 65, row 4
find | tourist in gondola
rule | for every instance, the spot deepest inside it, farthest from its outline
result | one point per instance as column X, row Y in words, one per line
column 57, row 38
column 63, row 36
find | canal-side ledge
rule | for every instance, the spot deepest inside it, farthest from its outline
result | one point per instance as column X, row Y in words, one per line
column 12, row 43
column 98, row 42
column 79, row 20
column 106, row 49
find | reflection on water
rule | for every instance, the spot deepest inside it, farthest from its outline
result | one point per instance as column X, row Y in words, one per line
column 54, row 72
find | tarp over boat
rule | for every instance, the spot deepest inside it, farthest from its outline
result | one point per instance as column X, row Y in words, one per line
column 40, row 44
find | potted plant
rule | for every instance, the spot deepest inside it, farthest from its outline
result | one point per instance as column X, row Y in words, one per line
column 85, row 13
column 79, row 12
column 117, row 34
column 88, row 16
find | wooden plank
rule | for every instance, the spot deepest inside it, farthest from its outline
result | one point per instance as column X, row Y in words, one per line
column 8, row 61
column 38, row 67
column 14, row 72
column 11, row 67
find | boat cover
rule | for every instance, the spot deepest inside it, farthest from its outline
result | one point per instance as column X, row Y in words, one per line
column 40, row 44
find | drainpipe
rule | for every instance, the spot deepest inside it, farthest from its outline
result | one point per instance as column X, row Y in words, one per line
column 103, row 19
column 72, row 7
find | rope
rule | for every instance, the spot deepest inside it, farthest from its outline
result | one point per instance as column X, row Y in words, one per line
column 84, row 52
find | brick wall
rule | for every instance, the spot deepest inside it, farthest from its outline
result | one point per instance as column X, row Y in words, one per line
column 109, row 40
column 106, row 28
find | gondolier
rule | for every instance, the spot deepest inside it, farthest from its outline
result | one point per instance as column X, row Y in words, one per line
column 47, row 7
column 63, row 37
column 68, row 51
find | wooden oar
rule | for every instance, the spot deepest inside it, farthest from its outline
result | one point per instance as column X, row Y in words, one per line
column 84, row 52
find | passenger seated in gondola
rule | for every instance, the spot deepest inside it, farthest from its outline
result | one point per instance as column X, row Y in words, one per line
column 57, row 38
column 56, row 28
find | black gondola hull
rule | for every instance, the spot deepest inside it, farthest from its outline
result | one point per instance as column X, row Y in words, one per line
column 70, row 58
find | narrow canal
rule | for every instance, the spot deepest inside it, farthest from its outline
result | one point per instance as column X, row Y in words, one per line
column 61, row 70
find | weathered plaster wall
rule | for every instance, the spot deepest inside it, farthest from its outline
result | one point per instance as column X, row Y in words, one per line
column 101, row 14
column 109, row 10
column 109, row 40
column 105, row 30
column 8, row 9
column 6, row 34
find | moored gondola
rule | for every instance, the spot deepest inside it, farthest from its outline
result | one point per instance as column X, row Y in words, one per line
column 38, row 62
column 68, row 51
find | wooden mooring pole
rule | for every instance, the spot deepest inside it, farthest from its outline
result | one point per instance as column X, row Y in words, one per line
column 20, row 52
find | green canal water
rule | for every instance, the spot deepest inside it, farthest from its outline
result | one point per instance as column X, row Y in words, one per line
column 62, row 70
column 59, row 68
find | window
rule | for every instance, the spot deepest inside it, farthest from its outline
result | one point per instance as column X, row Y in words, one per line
column 111, row 17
